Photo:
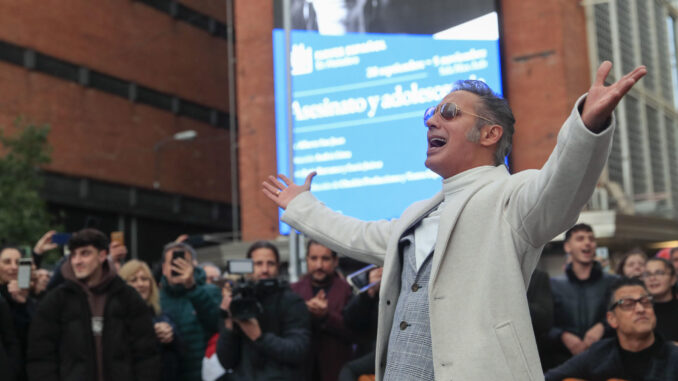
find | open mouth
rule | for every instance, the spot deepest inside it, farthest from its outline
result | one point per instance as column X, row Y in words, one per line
column 436, row 142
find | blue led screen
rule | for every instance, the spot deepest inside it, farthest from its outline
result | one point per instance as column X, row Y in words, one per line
column 357, row 102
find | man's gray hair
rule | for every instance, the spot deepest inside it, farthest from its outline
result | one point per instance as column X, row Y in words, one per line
column 202, row 265
column 180, row 246
column 495, row 108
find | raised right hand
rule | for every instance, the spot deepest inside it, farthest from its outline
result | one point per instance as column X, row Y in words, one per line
column 281, row 193
column 45, row 243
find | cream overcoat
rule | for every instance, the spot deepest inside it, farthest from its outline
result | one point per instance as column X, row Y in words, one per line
column 488, row 244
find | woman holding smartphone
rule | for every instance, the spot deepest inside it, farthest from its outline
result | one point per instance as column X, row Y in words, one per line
column 137, row 274
column 21, row 304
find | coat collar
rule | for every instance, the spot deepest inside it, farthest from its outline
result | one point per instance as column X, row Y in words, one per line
column 450, row 214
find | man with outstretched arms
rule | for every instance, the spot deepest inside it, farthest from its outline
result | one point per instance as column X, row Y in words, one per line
column 456, row 267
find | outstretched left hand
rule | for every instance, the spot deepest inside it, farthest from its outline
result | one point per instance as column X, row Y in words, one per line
column 602, row 100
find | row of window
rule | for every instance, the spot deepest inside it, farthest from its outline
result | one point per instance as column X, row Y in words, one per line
column 32, row 60
column 643, row 159
column 183, row 13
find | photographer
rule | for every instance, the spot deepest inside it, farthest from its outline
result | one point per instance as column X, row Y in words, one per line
column 274, row 344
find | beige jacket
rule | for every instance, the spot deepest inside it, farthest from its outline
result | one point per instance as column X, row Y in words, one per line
column 488, row 244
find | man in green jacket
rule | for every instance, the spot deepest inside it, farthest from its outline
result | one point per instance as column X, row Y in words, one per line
column 192, row 304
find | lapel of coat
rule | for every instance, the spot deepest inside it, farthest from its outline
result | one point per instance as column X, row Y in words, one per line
column 392, row 263
column 449, row 216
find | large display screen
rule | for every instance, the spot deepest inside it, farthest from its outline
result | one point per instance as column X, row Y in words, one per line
column 358, row 93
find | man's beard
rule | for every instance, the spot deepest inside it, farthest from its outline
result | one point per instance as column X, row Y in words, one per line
column 323, row 282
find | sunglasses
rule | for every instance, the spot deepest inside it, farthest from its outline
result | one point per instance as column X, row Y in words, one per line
column 448, row 111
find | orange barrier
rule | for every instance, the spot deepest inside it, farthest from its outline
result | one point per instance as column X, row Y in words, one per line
column 367, row 377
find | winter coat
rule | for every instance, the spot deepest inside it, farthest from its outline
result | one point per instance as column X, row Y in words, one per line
column 603, row 361
column 62, row 345
column 195, row 313
column 172, row 352
column 22, row 314
column 10, row 348
column 578, row 305
column 280, row 352
column 331, row 341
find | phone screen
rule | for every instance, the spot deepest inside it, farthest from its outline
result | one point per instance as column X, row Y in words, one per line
column 118, row 236
column 177, row 254
column 24, row 276
column 361, row 278
column 61, row 238
column 240, row 266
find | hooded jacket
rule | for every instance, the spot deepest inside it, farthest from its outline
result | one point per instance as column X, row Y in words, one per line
column 10, row 348
column 83, row 333
column 577, row 306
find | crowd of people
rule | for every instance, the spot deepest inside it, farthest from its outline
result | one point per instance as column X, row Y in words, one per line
column 103, row 317
column 601, row 325
column 100, row 316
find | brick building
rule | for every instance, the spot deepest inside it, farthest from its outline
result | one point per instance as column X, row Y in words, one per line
column 117, row 79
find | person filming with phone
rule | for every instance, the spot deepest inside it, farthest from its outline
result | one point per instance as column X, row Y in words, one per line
column 271, row 340
column 190, row 302
column 15, row 270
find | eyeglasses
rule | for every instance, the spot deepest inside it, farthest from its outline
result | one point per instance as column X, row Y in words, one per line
column 627, row 304
column 656, row 273
column 448, row 111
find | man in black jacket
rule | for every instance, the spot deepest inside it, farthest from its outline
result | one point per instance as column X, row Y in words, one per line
column 579, row 298
column 93, row 326
column 636, row 353
column 274, row 344
column 10, row 348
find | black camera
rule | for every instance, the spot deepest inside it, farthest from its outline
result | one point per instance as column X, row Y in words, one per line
column 247, row 294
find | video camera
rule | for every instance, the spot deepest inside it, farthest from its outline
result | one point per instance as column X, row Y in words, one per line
column 247, row 294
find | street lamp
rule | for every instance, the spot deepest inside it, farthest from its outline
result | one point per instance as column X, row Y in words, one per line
column 178, row 137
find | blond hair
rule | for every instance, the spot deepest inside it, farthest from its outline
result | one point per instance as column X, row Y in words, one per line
column 129, row 269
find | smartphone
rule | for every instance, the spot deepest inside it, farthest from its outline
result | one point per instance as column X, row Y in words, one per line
column 24, row 277
column 177, row 254
column 118, row 236
column 61, row 238
column 603, row 255
column 360, row 280
column 240, row 266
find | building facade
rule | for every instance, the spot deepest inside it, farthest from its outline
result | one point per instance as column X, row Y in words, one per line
column 551, row 50
column 116, row 81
